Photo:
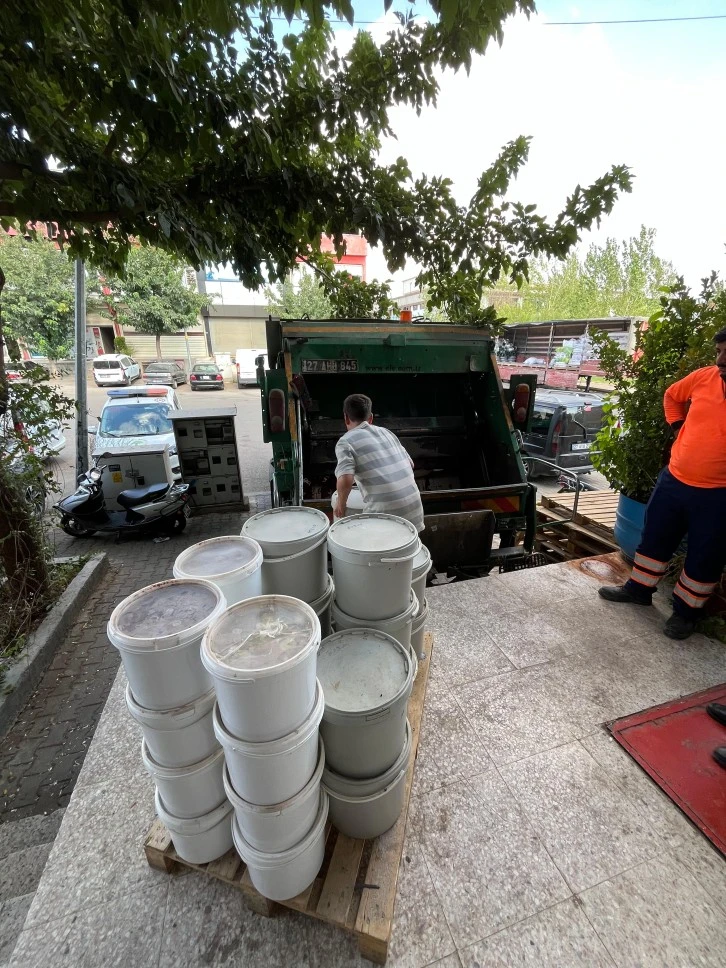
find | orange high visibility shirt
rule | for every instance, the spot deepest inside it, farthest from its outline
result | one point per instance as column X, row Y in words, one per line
column 698, row 457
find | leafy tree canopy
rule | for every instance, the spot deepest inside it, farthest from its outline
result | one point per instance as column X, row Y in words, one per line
column 299, row 295
column 208, row 129
column 152, row 296
column 617, row 279
column 38, row 298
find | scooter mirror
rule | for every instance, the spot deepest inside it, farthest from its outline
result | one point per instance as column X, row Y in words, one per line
column 95, row 474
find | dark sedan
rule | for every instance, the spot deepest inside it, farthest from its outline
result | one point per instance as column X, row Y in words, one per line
column 206, row 376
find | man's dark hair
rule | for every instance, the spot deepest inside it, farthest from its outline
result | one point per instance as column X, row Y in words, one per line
column 720, row 337
column 357, row 407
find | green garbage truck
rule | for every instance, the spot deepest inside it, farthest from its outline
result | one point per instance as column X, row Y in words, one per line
column 437, row 387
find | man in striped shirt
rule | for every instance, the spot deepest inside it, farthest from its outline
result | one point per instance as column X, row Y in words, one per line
column 375, row 459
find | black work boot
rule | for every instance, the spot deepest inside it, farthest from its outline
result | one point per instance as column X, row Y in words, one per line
column 717, row 711
column 678, row 627
column 719, row 754
column 620, row 593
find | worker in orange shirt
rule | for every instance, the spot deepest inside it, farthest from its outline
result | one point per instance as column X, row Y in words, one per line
column 689, row 499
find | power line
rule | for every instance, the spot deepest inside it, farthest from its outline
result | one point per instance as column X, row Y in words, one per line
column 645, row 20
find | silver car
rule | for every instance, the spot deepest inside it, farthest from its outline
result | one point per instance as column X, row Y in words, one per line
column 164, row 373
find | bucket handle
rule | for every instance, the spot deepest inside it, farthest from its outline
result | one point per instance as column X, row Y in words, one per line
column 380, row 714
column 393, row 561
column 272, row 561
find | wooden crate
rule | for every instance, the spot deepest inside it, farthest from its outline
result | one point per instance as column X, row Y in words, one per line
column 356, row 887
column 589, row 532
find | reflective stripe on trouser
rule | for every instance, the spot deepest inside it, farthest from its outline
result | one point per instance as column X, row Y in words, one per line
column 674, row 511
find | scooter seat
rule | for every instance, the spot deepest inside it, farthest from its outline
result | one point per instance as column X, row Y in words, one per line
column 140, row 495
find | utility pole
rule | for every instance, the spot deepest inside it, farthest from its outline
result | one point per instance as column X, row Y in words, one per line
column 81, row 396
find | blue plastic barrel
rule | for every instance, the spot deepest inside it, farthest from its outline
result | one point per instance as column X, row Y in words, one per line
column 629, row 521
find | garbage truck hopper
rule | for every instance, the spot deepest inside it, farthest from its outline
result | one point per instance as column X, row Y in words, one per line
column 437, row 387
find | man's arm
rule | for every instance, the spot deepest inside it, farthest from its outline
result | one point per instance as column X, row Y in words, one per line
column 676, row 400
column 343, row 488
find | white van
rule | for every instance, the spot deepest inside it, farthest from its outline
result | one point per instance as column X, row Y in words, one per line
column 115, row 369
column 246, row 367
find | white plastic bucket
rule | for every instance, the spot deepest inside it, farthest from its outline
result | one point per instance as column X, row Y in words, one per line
column 261, row 656
column 285, row 874
column 421, row 568
column 177, row 737
column 399, row 627
column 199, row 839
column 188, row 791
column 322, row 608
column 303, row 575
column 368, row 786
column 367, row 677
column 157, row 630
column 365, row 817
column 286, row 531
column 418, row 629
column 278, row 826
column 267, row 773
column 354, row 504
column 233, row 562
column 372, row 558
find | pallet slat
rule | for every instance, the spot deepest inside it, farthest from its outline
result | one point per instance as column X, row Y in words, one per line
column 356, row 887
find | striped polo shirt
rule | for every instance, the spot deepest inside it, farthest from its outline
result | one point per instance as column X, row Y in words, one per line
column 382, row 470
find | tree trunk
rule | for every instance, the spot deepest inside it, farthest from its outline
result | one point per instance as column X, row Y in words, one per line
column 158, row 346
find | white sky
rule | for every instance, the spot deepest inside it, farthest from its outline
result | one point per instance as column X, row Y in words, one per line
column 589, row 101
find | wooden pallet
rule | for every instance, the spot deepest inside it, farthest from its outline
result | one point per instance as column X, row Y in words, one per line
column 589, row 532
column 355, row 889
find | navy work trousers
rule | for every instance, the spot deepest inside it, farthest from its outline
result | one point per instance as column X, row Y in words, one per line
column 675, row 510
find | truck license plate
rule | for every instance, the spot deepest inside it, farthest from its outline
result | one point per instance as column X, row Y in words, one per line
column 329, row 366
column 581, row 446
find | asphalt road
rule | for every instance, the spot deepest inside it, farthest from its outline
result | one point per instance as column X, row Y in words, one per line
column 254, row 454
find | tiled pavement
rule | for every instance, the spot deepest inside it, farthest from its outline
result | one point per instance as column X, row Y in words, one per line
column 533, row 839
column 41, row 756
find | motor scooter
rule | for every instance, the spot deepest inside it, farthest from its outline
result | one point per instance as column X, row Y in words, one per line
column 156, row 507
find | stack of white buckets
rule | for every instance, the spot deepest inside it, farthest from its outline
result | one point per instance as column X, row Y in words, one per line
column 210, row 634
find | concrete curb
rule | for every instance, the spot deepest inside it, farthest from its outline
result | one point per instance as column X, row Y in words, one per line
column 22, row 677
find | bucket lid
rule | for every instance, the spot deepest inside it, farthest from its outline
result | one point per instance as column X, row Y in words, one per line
column 165, row 615
column 421, row 616
column 362, row 670
column 377, row 533
column 283, row 525
column 191, row 825
column 422, row 562
column 320, row 604
column 260, row 636
column 168, row 719
column 228, row 554
column 263, row 860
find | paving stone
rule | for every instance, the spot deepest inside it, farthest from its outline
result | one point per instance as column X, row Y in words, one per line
column 21, row 870
column 29, row 832
column 12, row 918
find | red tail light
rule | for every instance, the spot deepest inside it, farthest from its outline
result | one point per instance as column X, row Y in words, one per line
column 555, row 435
column 520, row 404
column 193, row 376
column 218, row 376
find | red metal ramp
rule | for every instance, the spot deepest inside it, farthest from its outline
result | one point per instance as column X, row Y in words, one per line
column 673, row 743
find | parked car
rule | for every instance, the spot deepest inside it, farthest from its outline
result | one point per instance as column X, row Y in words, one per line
column 206, row 376
column 42, row 428
column 564, row 426
column 164, row 373
column 115, row 369
column 135, row 418
column 23, row 368
column 247, row 367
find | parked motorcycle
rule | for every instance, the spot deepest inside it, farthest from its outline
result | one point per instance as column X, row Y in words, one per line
column 156, row 507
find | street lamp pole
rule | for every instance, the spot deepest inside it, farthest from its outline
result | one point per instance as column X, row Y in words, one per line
column 81, row 396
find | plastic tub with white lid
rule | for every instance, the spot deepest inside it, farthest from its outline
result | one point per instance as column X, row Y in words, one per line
column 421, row 568
column 399, row 627
column 364, row 809
column 177, row 737
column 261, row 655
column 278, row 826
column 286, row 531
column 271, row 772
column 372, row 557
column 188, row 791
column 233, row 562
column 354, row 504
column 157, row 631
column 322, row 608
column 286, row 873
column 367, row 677
column 418, row 630
column 199, row 840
